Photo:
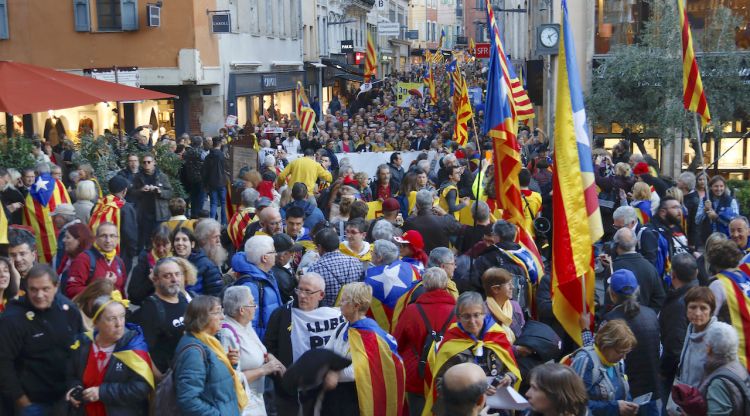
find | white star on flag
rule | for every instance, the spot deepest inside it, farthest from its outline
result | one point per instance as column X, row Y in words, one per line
column 389, row 278
column 41, row 184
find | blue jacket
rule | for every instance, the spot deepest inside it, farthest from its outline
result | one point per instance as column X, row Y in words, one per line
column 203, row 384
column 253, row 277
column 209, row 276
column 313, row 214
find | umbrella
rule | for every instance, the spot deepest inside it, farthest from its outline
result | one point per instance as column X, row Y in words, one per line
column 416, row 92
column 28, row 89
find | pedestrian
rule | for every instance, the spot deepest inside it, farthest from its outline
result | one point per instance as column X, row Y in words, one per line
column 215, row 181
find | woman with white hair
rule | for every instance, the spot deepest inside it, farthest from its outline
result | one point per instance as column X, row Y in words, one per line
column 724, row 386
column 237, row 334
column 85, row 198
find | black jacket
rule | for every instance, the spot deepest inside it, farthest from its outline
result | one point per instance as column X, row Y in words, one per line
column 692, row 201
column 158, row 203
column 493, row 257
column 140, row 285
column 123, row 392
column 278, row 337
column 642, row 364
column 36, row 347
column 286, row 281
column 650, row 285
column 214, row 170
column 435, row 229
column 423, row 144
column 673, row 323
column 128, row 232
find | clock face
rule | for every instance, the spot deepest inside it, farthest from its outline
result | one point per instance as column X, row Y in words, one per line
column 549, row 37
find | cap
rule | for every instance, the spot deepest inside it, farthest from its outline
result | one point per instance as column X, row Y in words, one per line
column 641, row 168
column 118, row 184
column 282, row 243
column 263, row 202
column 391, row 204
column 623, row 282
column 411, row 237
column 64, row 209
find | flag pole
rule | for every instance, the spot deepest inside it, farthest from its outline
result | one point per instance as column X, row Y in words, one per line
column 699, row 147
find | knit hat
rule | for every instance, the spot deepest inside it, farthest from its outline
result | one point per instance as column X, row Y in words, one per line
column 118, row 184
column 64, row 209
column 641, row 168
column 391, row 204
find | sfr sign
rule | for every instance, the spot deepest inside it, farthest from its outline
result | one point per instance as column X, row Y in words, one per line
column 482, row 50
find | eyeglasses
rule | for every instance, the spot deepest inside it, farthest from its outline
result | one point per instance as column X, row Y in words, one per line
column 250, row 306
column 271, row 252
column 306, row 292
column 220, row 312
column 148, row 162
column 470, row 316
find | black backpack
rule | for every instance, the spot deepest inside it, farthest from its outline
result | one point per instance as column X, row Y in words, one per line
column 433, row 338
column 192, row 167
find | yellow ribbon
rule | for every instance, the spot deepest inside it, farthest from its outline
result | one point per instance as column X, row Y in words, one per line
column 115, row 297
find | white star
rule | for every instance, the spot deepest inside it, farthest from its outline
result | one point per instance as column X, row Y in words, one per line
column 389, row 278
column 41, row 184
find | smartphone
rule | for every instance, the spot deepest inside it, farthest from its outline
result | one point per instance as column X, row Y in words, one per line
column 642, row 399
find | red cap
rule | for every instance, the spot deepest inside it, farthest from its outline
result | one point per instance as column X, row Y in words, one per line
column 641, row 168
column 413, row 238
column 391, row 204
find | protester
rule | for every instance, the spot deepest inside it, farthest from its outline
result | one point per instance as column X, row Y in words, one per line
column 336, row 268
column 463, row 391
column 718, row 208
column 76, row 239
column 724, row 372
column 498, row 285
column 152, row 191
column 9, row 281
column 435, row 229
column 99, row 262
column 650, row 286
column 556, row 390
column 140, row 285
column 207, row 256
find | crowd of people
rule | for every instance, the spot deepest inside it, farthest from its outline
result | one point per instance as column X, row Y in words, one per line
column 280, row 292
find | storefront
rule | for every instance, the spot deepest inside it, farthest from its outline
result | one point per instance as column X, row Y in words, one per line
column 269, row 94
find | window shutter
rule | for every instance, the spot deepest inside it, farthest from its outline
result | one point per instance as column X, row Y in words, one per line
column 129, row 14
column 4, row 32
column 82, row 15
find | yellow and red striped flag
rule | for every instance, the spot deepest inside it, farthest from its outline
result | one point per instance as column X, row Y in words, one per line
column 107, row 210
column 237, row 225
column 464, row 113
column 524, row 107
column 431, row 85
column 304, row 111
column 693, row 95
column 738, row 305
column 3, row 225
column 472, row 46
column 46, row 194
column 578, row 223
column 371, row 62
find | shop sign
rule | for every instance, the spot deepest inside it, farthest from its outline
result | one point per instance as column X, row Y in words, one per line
column 388, row 29
column 269, row 81
column 347, row 46
column 358, row 58
column 129, row 76
column 482, row 50
column 412, row 34
column 221, row 23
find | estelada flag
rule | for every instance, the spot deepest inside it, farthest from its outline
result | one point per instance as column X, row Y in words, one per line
column 389, row 282
column 378, row 369
column 107, row 209
column 237, row 225
column 134, row 354
column 739, row 307
column 455, row 341
column 45, row 194
column 643, row 210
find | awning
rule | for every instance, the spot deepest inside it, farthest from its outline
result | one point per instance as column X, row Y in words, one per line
column 26, row 89
column 315, row 64
column 349, row 77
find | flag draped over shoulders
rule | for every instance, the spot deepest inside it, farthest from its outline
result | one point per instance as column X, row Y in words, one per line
column 134, row 354
column 44, row 195
column 739, row 308
column 389, row 283
column 107, row 210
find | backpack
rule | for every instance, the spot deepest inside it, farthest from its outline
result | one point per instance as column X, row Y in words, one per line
column 165, row 398
column 92, row 268
column 663, row 263
column 246, row 278
column 192, row 167
column 432, row 340
column 741, row 386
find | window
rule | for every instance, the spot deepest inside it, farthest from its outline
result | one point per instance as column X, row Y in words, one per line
column 111, row 15
column 254, row 17
column 108, row 16
column 269, row 17
column 4, row 32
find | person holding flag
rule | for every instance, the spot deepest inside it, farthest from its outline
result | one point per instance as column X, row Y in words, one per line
column 304, row 111
column 374, row 383
column 111, row 368
column 44, row 195
column 115, row 209
column 390, row 278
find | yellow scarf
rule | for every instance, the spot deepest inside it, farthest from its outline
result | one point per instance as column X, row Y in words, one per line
column 503, row 313
column 215, row 346
column 602, row 359
column 108, row 255
column 156, row 256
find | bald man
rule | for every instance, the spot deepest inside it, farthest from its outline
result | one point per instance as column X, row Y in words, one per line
column 270, row 222
column 463, row 391
column 650, row 285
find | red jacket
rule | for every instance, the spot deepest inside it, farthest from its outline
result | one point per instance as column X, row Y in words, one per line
column 79, row 275
column 411, row 331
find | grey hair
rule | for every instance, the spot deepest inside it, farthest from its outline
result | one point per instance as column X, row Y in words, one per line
column 86, row 190
column 481, row 211
column 320, row 282
column 722, row 339
column 688, row 178
column 440, row 256
column 434, row 278
column 161, row 263
column 382, row 230
column 249, row 197
column 42, row 167
column 387, row 251
column 265, row 143
column 505, row 230
column 424, row 199
column 625, row 239
column 198, row 313
column 626, row 214
column 450, row 157
column 256, row 246
column 270, row 161
column 424, row 166
column 470, row 299
column 204, row 228
column 235, row 297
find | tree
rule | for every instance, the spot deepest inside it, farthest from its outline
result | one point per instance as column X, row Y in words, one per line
column 640, row 86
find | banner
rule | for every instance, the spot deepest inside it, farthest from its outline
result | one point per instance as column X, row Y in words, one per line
column 368, row 162
column 311, row 330
column 403, row 97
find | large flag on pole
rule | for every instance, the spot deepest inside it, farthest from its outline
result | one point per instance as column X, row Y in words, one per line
column 431, row 86
column 577, row 222
column 371, row 62
column 304, row 111
column 524, row 108
column 464, row 113
column 45, row 194
column 693, row 96
column 442, row 40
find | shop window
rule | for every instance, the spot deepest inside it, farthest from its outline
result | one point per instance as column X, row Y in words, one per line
column 731, row 152
column 4, row 32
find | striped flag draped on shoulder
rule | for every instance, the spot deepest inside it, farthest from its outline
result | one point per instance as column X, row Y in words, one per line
column 46, row 194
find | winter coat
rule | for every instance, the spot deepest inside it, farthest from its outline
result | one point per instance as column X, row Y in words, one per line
column 263, row 287
column 214, row 170
column 651, row 287
column 203, row 384
column 209, row 280
column 140, row 285
column 160, row 199
column 80, row 274
column 673, row 323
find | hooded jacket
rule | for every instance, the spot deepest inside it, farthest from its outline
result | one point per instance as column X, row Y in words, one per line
column 209, row 280
column 313, row 214
column 263, row 287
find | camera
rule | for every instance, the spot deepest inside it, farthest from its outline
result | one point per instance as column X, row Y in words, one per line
column 77, row 393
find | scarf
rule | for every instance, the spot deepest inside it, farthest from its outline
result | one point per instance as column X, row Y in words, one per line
column 504, row 313
column 215, row 346
column 108, row 255
column 602, row 359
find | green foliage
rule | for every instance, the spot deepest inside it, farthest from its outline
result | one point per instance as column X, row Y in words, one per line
column 15, row 152
column 640, row 86
column 99, row 154
column 166, row 160
column 741, row 192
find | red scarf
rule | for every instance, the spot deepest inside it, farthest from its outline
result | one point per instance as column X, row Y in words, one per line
column 93, row 377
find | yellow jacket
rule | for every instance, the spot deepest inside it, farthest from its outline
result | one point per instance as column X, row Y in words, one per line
column 306, row 170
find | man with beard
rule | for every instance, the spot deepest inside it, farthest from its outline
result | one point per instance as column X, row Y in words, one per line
column 153, row 191
column 11, row 198
column 666, row 223
column 208, row 237
column 161, row 314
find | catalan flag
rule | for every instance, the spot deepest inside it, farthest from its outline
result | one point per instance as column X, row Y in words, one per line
column 46, row 193
column 389, row 282
column 442, row 40
column 430, row 80
column 3, row 225
column 457, row 340
column 371, row 62
column 107, row 209
column 693, row 95
column 643, row 210
column 237, row 225
column 739, row 307
column 577, row 222
column 304, row 111
column 472, row 46
column 378, row 369
column 464, row 113
column 524, row 108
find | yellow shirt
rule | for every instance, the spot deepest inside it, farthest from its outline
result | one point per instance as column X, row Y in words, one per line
column 364, row 256
column 306, row 170
column 534, row 202
column 385, row 147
